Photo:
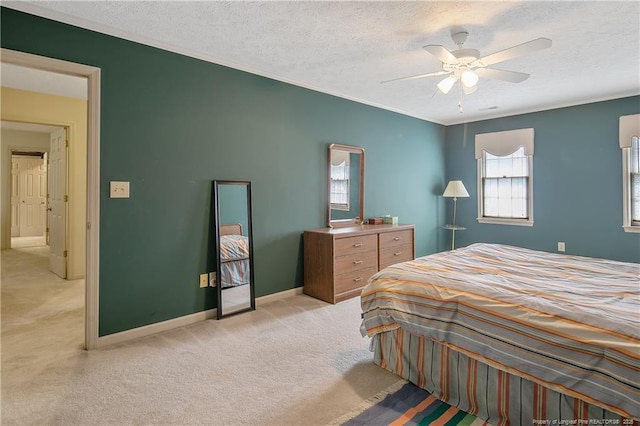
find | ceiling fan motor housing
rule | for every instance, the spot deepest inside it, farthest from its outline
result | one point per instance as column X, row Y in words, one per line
column 465, row 58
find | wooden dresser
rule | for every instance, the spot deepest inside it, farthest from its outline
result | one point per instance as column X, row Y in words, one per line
column 339, row 261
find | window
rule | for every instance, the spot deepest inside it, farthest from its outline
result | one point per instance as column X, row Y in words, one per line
column 635, row 181
column 505, row 182
column 340, row 185
column 630, row 145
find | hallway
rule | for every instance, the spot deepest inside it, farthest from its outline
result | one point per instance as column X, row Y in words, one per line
column 42, row 314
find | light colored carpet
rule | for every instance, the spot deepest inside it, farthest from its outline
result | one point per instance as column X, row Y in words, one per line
column 294, row 361
column 20, row 242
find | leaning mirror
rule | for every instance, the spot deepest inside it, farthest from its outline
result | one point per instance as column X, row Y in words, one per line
column 345, row 170
column 234, row 247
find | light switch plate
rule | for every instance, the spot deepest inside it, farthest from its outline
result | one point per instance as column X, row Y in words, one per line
column 119, row 189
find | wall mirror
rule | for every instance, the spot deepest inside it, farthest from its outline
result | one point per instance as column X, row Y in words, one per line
column 345, row 171
column 234, row 247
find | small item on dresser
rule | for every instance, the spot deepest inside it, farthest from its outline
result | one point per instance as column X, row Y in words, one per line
column 390, row 220
column 374, row 221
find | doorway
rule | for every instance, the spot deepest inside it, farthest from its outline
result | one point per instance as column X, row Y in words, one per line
column 38, row 189
column 28, row 197
column 91, row 172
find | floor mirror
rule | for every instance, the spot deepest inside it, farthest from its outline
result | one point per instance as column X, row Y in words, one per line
column 234, row 247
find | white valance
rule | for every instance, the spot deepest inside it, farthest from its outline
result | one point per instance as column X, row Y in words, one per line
column 629, row 127
column 504, row 143
column 339, row 157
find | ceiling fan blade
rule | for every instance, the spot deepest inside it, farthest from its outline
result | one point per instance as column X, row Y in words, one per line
column 441, row 53
column 515, row 51
column 511, row 76
column 431, row 74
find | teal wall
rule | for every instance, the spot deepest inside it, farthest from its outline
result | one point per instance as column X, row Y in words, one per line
column 354, row 182
column 171, row 124
column 577, row 181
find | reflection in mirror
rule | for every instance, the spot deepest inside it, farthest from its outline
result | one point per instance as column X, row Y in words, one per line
column 345, row 185
column 234, row 247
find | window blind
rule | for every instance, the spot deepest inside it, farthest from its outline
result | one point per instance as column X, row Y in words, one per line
column 505, row 185
column 340, row 184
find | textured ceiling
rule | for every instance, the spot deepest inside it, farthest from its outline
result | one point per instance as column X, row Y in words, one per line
column 347, row 48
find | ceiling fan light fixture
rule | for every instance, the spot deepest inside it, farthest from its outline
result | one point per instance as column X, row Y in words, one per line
column 469, row 90
column 469, row 78
column 446, row 84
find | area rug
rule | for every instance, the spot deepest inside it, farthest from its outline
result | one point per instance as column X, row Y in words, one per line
column 406, row 404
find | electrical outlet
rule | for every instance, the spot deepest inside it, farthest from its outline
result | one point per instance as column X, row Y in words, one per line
column 203, row 280
column 212, row 279
column 560, row 246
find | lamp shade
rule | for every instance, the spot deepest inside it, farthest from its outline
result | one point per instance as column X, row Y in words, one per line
column 446, row 84
column 469, row 90
column 455, row 188
column 469, row 78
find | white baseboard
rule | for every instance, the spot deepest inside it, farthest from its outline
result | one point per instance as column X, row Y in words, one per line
column 147, row 330
column 277, row 296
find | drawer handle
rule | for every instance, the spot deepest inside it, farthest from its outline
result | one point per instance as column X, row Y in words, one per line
column 357, row 262
column 357, row 279
column 396, row 238
column 357, row 245
column 397, row 253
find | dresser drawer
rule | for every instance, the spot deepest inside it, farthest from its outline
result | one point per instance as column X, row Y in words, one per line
column 353, row 279
column 357, row 244
column 396, row 238
column 396, row 254
column 356, row 261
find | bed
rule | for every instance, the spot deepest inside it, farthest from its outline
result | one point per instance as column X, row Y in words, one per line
column 512, row 335
column 234, row 256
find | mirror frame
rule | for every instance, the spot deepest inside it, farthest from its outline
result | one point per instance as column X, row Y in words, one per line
column 358, row 220
column 216, row 217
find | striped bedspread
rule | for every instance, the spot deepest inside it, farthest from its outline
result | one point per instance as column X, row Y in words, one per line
column 569, row 323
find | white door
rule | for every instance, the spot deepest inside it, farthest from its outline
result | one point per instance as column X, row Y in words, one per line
column 46, row 201
column 15, row 198
column 57, row 183
column 32, row 191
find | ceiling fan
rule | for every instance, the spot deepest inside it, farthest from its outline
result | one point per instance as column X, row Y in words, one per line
column 466, row 65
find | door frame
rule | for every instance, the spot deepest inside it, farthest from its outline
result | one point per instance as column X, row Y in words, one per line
column 42, row 161
column 10, row 149
column 92, row 74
